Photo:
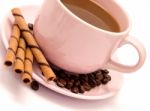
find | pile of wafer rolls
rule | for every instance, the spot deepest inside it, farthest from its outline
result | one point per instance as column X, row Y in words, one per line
column 23, row 48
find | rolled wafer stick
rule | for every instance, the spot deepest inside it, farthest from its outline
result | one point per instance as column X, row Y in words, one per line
column 13, row 44
column 45, row 68
column 27, row 75
column 20, row 56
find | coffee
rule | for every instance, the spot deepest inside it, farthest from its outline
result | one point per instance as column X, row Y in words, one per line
column 93, row 14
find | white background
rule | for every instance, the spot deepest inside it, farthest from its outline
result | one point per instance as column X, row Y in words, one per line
column 134, row 95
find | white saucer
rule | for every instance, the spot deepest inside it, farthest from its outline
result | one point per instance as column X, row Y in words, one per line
column 98, row 93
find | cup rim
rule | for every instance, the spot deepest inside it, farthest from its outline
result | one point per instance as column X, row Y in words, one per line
column 124, row 32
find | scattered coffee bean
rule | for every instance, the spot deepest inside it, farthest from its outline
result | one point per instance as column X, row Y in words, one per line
column 81, row 89
column 106, row 79
column 87, row 87
column 92, row 83
column 83, row 77
column 62, row 74
column 30, row 25
column 75, row 89
column 98, row 82
column 70, row 73
column 79, row 83
column 70, row 84
column 86, row 78
column 91, row 76
column 105, row 71
column 98, row 72
column 61, row 83
column 75, row 77
column 35, row 85
column 82, row 81
column 99, row 76
column 76, row 83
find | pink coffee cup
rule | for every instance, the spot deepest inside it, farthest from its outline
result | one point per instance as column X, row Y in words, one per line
column 77, row 46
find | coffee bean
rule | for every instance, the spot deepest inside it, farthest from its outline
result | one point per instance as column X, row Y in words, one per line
column 55, row 80
column 83, row 78
column 99, row 76
column 62, row 74
column 79, row 83
column 98, row 82
column 86, row 86
column 106, row 79
column 75, row 77
column 70, row 84
column 76, row 83
column 56, row 72
column 66, row 79
column 98, row 72
column 30, row 25
column 61, row 83
column 35, row 85
column 86, row 78
column 81, row 89
column 91, row 76
column 92, row 83
column 105, row 71
column 75, row 89
column 70, row 73
column 82, row 81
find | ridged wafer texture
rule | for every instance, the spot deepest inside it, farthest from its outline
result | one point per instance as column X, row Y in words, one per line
column 28, row 63
column 20, row 57
column 13, row 44
column 32, row 44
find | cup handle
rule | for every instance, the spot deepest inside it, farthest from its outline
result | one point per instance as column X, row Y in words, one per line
column 125, row 68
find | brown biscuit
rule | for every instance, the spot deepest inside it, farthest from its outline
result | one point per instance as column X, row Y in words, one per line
column 28, row 36
column 20, row 56
column 13, row 44
column 27, row 75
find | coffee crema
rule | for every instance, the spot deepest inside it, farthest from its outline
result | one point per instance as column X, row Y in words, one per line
column 93, row 14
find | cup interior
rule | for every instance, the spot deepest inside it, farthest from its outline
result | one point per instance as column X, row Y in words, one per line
column 112, row 8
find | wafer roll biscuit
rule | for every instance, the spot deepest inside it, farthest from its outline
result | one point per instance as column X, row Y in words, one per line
column 27, row 78
column 13, row 44
column 27, row 75
column 20, row 56
column 45, row 68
